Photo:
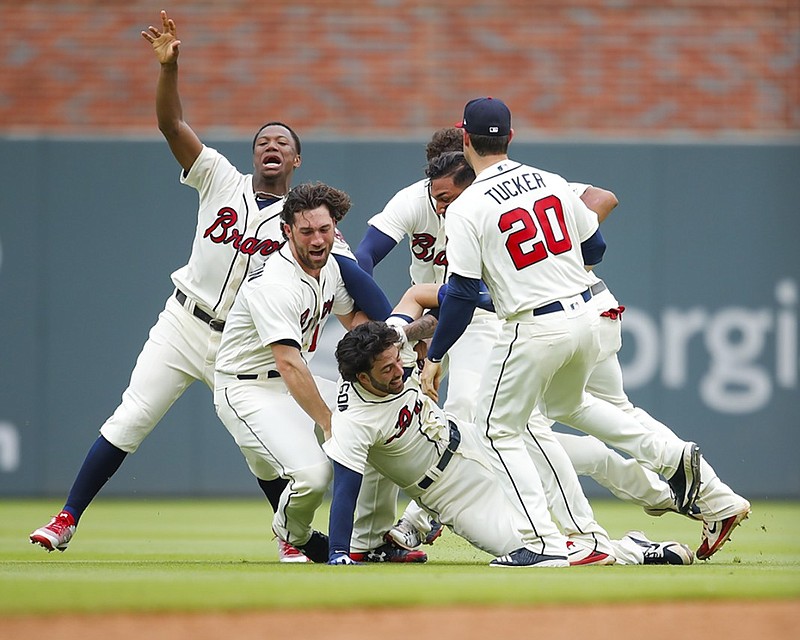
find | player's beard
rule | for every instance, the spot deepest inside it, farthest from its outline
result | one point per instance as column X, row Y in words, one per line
column 310, row 262
column 393, row 387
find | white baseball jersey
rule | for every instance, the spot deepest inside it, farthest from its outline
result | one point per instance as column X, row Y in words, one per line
column 411, row 212
column 231, row 234
column 403, row 437
column 512, row 222
column 280, row 301
column 231, row 231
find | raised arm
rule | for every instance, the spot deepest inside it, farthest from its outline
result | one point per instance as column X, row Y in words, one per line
column 182, row 140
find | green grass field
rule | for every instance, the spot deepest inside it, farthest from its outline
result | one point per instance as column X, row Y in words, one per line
column 216, row 555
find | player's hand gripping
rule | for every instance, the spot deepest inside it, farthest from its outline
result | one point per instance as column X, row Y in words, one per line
column 430, row 378
column 165, row 41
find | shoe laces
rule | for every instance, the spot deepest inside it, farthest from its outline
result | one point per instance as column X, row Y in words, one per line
column 60, row 523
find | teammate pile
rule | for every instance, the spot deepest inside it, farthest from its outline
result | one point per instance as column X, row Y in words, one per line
column 503, row 300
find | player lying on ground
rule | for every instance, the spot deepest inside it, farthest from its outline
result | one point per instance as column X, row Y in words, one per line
column 383, row 419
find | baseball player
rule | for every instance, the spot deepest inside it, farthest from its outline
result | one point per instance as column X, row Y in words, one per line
column 413, row 213
column 418, row 211
column 265, row 394
column 382, row 419
column 626, row 478
column 238, row 226
column 528, row 236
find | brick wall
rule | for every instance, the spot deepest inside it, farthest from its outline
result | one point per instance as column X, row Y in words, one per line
column 400, row 68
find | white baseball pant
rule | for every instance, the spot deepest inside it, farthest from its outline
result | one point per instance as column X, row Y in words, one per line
column 545, row 359
column 179, row 350
column 277, row 438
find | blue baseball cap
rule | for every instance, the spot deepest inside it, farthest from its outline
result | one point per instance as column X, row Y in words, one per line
column 486, row 117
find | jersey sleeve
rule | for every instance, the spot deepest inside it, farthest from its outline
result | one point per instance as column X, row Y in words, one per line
column 463, row 245
column 578, row 188
column 585, row 219
column 276, row 314
column 340, row 245
column 350, row 442
column 211, row 174
column 396, row 219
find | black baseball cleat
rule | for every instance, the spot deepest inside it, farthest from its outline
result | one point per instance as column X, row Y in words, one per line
column 390, row 552
column 685, row 482
column 693, row 513
column 316, row 549
column 524, row 557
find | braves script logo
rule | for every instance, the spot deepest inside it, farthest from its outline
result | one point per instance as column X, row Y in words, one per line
column 307, row 322
column 224, row 231
column 422, row 247
column 404, row 420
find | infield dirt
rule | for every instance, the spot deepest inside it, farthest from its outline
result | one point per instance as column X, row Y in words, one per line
column 655, row 621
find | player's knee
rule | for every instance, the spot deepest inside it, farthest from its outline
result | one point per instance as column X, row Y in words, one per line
column 127, row 440
column 259, row 467
column 312, row 480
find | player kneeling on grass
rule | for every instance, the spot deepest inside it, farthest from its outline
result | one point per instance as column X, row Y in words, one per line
column 383, row 418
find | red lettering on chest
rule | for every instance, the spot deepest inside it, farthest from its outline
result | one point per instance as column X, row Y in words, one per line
column 223, row 231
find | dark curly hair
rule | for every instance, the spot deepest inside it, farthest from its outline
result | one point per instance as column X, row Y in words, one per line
column 447, row 139
column 360, row 347
column 308, row 196
column 452, row 163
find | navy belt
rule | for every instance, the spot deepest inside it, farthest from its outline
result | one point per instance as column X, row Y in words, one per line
column 598, row 287
column 455, row 440
column 557, row 306
column 256, row 376
column 197, row 312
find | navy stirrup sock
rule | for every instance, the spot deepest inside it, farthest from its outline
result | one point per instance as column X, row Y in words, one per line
column 100, row 464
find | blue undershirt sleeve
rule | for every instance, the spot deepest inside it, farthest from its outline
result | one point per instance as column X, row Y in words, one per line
column 455, row 314
column 484, row 299
column 593, row 249
column 346, row 485
column 361, row 286
column 374, row 247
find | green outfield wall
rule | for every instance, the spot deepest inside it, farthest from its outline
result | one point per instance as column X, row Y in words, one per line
column 702, row 252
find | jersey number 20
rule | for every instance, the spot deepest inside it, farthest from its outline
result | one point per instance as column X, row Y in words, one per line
column 522, row 245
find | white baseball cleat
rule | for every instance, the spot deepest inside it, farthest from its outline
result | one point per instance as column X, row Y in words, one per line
column 288, row 553
column 670, row 552
column 579, row 556
column 57, row 533
column 406, row 536
column 718, row 532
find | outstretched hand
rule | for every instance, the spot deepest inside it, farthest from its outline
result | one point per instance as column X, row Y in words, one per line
column 165, row 40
